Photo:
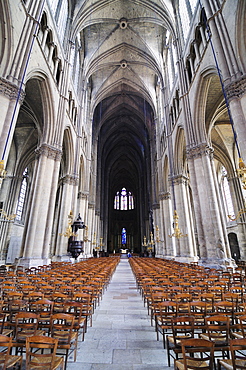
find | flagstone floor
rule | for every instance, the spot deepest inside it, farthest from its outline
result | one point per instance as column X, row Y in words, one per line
column 121, row 336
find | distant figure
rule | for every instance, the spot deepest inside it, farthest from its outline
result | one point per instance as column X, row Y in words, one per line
column 129, row 254
column 94, row 253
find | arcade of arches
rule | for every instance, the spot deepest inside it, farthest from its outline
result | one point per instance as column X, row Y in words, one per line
column 119, row 113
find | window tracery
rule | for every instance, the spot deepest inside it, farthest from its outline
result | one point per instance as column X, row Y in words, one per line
column 22, row 196
column 123, row 200
column 226, row 193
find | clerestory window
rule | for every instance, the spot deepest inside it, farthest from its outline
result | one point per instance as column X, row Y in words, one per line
column 22, row 196
column 226, row 193
column 123, row 200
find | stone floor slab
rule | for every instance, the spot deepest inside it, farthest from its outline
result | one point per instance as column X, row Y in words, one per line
column 121, row 336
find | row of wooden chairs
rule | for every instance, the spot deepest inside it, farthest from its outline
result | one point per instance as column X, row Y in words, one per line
column 199, row 353
column 50, row 311
column 182, row 310
column 41, row 353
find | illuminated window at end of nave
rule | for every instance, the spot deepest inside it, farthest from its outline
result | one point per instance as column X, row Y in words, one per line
column 123, row 200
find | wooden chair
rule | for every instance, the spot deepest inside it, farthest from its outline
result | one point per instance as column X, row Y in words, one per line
column 33, row 297
column 44, row 309
column 4, row 330
column 198, row 309
column 62, row 328
column 182, row 328
column 225, row 308
column 218, row 331
column 240, row 330
column 88, row 306
column 41, row 353
column 12, row 308
column 6, row 359
column 156, row 297
column 197, row 354
column 164, row 313
column 26, row 325
column 238, row 357
column 59, row 300
column 77, row 309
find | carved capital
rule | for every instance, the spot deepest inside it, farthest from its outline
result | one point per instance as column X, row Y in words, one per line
column 237, row 88
column 165, row 196
column 49, row 152
column 10, row 90
column 71, row 180
column 199, row 151
column 91, row 205
column 180, row 179
column 82, row 195
column 155, row 206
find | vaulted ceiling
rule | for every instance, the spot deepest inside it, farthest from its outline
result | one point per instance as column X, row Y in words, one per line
column 123, row 43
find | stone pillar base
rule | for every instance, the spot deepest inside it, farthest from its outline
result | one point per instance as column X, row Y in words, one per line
column 63, row 258
column 33, row 262
column 165, row 257
column 186, row 259
column 217, row 263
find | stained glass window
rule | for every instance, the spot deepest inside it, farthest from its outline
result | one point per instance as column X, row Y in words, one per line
column 22, row 196
column 186, row 9
column 123, row 236
column 123, row 200
column 227, row 194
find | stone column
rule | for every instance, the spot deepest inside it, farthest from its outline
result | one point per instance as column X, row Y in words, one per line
column 10, row 101
column 186, row 243
column 51, row 50
column 54, row 160
column 91, row 226
column 45, row 34
column 41, row 199
column 240, row 218
column 236, row 92
column 70, row 182
column 211, row 240
column 203, row 36
column 158, row 223
column 57, row 60
column 22, row 53
column 169, row 243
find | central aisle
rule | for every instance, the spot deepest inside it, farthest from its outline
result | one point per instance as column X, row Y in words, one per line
column 121, row 337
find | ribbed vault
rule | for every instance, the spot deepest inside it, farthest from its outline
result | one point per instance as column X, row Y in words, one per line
column 123, row 46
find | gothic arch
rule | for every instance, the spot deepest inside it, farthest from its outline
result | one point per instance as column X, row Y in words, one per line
column 179, row 152
column 82, row 177
column 68, row 153
column 165, row 175
column 40, row 83
column 207, row 91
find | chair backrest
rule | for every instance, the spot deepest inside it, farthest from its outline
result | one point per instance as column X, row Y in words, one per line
column 242, row 322
column 41, row 359
column 5, row 348
column 218, row 328
column 25, row 323
column 62, row 325
column 75, row 309
column 182, row 327
column 238, row 351
column 2, row 321
column 197, row 353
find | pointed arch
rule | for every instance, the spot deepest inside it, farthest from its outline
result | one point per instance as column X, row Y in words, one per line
column 68, row 152
column 179, row 151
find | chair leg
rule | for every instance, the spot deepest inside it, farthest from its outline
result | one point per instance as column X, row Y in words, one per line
column 168, row 353
column 66, row 358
